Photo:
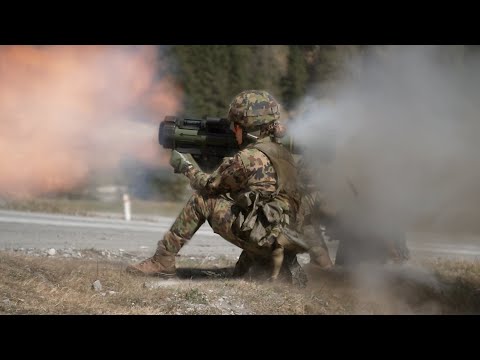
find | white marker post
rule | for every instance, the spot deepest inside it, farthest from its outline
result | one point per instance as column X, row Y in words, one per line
column 126, row 207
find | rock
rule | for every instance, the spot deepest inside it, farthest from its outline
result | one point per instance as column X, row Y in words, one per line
column 112, row 292
column 51, row 252
column 97, row 285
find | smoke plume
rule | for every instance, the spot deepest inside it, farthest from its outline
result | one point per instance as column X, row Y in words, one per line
column 68, row 111
column 403, row 127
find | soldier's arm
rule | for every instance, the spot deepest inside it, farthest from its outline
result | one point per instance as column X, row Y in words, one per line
column 229, row 176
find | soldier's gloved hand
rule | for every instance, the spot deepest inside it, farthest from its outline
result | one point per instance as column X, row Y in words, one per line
column 179, row 163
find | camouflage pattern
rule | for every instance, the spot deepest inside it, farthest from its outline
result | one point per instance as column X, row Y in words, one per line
column 248, row 170
column 218, row 211
column 219, row 199
column 258, row 267
column 251, row 198
column 253, row 108
column 241, row 201
column 314, row 218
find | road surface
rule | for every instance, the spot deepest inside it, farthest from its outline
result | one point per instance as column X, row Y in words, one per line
column 40, row 230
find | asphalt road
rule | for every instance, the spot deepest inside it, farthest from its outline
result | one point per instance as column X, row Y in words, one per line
column 39, row 230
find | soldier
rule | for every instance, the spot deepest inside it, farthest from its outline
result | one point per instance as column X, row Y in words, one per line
column 315, row 215
column 319, row 220
column 315, row 219
column 250, row 200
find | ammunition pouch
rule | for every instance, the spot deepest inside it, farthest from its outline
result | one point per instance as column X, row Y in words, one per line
column 259, row 218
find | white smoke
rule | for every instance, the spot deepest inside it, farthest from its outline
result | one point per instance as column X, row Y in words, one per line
column 404, row 125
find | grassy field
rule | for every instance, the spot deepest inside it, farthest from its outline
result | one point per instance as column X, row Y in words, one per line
column 33, row 283
column 54, row 285
column 92, row 207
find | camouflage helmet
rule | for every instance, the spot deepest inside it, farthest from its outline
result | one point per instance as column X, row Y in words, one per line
column 253, row 108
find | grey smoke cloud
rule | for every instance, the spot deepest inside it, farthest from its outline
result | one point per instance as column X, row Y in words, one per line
column 404, row 124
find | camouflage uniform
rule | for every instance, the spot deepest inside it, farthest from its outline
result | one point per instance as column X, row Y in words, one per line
column 242, row 203
column 315, row 216
column 249, row 200
column 314, row 219
column 217, row 197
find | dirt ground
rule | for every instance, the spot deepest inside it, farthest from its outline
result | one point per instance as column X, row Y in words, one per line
column 89, row 281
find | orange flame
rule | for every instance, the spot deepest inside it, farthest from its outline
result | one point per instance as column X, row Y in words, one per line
column 66, row 111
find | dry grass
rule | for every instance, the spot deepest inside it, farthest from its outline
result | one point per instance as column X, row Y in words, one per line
column 90, row 207
column 49, row 285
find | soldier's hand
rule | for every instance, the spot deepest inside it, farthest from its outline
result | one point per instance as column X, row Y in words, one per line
column 179, row 163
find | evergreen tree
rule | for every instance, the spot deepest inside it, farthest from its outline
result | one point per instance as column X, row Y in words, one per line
column 203, row 71
column 294, row 83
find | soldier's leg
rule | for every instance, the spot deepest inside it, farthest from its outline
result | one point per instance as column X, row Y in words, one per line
column 162, row 263
column 292, row 271
column 252, row 258
column 243, row 265
column 278, row 255
column 221, row 221
column 260, row 267
column 192, row 216
column 318, row 250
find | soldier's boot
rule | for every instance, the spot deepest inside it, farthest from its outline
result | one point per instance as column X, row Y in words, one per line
column 243, row 265
column 297, row 274
column 162, row 264
column 285, row 255
column 319, row 257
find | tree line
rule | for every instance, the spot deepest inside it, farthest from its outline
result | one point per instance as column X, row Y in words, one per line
column 211, row 75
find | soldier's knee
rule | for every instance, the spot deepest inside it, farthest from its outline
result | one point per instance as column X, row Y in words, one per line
column 198, row 200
